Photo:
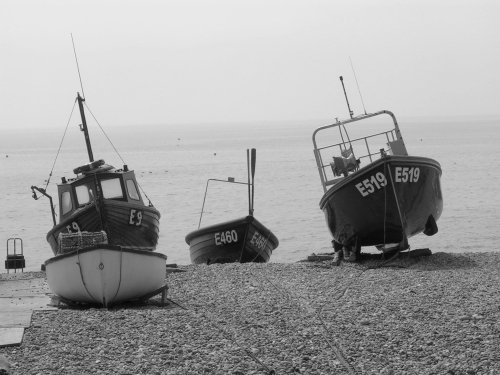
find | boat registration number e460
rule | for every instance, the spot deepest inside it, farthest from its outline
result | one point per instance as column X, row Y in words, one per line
column 258, row 240
column 227, row 237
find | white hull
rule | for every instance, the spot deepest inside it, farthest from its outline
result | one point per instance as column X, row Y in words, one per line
column 106, row 274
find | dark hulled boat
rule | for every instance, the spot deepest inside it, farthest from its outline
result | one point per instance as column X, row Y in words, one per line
column 375, row 194
column 241, row 240
column 102, row 199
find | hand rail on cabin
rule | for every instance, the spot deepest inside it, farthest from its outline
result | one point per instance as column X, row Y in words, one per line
column 394, row 133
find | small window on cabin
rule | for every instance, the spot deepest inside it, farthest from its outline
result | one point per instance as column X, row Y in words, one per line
column 84, row 194
column 132, row 190
column 112, row 188
column 66, row 203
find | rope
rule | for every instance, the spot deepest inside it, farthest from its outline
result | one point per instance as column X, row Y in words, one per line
column 385, row 201
column 103, row 132
column 114, row 148
column 121, row 269
column 60, row 145
column 310, row 310
column 231, row 337
column 335, row 348
column 81, row 274
column 143, row 192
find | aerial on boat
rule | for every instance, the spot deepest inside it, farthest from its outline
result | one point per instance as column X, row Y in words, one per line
column 375, row 193
column 104, row 240
column 239, row 240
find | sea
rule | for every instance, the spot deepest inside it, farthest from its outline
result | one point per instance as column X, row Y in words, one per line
column 174, row 162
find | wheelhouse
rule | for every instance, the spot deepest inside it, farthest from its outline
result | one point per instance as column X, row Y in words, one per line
column 104, row 182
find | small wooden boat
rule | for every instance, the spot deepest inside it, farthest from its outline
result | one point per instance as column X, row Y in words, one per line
column 106, row 275
column 375, row 194
column 104, row 241
column 241, row 240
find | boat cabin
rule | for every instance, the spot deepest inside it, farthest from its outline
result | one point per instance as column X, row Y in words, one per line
column 96, row 180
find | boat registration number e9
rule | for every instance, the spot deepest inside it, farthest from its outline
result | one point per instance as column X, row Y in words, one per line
column 227, row 237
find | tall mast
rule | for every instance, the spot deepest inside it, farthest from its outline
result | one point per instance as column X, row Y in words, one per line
column 83, row 127
column 347, row 100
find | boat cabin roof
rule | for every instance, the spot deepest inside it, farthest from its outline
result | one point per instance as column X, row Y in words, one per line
column 104, row 180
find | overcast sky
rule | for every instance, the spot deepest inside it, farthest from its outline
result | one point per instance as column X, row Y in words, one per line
column 206, row 61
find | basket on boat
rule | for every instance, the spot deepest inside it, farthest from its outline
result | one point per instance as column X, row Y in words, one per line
column 69, row 242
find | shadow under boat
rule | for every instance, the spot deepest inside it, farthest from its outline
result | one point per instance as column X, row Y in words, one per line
column 241, row 240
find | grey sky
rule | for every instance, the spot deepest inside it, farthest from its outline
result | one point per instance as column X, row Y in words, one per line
column 205, row 61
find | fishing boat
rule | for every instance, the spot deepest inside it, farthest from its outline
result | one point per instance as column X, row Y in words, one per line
column 375, row 193
column 241, row 240
column 104, row 240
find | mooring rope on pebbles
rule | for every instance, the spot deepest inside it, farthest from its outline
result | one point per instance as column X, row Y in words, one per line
column 231, row 336
column 303, row 304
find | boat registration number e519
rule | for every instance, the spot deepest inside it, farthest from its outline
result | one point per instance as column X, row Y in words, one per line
column 377, row 181
column 227, row 237
column 371, row 184
column 406, row 174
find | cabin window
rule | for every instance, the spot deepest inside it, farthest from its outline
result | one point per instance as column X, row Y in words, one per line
column 84, row 194
column 66, row 203
column 112, row 188
column 132, row 190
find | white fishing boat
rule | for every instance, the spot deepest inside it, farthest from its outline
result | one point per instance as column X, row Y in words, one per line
column 106, row 275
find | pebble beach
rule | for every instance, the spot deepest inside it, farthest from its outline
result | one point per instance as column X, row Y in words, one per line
column 437, row 314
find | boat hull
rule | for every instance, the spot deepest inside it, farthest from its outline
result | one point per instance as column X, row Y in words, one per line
column 126, row 224
column 386, row 202
column 241, row 240
column 105, row 274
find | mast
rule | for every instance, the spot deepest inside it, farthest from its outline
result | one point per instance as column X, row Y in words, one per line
column 83, row 127
column 347, row 100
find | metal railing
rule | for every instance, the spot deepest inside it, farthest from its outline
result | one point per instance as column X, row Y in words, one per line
column 361, row 148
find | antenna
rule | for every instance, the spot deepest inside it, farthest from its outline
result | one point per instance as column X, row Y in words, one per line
column 361, row 96
column 347, row 100
column 77, row 67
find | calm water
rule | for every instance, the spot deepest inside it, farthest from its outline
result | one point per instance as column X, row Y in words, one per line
column 173, row 163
